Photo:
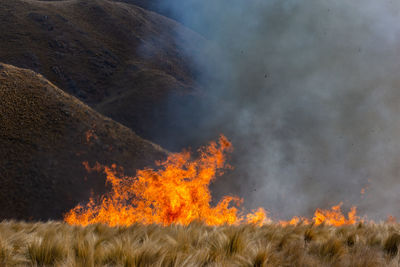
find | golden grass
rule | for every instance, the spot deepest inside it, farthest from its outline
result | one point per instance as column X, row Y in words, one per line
column 59, row 244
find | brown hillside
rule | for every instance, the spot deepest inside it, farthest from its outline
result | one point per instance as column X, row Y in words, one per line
column 124, row 61
column 45, row 135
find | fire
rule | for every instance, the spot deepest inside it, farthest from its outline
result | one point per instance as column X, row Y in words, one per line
column 365, row 188
column 90, row 136
column 258, row 217
column 333, row 217
column 295, row 221
column 177, row 192
column 391, row 220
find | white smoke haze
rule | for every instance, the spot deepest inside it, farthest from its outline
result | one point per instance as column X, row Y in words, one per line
column 309, row 93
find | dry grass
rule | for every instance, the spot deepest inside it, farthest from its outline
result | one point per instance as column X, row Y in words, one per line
column 59, row 244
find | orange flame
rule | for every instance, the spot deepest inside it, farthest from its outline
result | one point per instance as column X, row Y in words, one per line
column 177, row 193
column 391, row 219
column 90, row 136
column 295, row 221
column 333, row 217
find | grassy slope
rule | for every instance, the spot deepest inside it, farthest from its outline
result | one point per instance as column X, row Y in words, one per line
column 58, row 244
column 43, row 144
column 122, row 60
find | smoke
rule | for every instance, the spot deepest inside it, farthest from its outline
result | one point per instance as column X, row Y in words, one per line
column 309, row 93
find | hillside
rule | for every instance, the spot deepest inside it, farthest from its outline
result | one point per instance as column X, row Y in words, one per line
column 45, row 135
column 127, row 63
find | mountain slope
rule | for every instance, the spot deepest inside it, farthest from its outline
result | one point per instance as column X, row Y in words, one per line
column 45, row 135
column 128, row 63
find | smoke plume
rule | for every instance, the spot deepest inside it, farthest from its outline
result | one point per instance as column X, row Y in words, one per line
column 308, row 91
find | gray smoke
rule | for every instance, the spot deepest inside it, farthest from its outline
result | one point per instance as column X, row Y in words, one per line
column 309, row 93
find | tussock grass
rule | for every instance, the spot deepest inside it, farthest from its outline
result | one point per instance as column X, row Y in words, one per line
column 60, row 244
column 391, row 244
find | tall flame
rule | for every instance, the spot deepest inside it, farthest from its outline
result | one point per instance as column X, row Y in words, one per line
column 176, row 192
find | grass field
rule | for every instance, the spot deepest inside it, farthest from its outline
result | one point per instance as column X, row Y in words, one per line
column 60, row 244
